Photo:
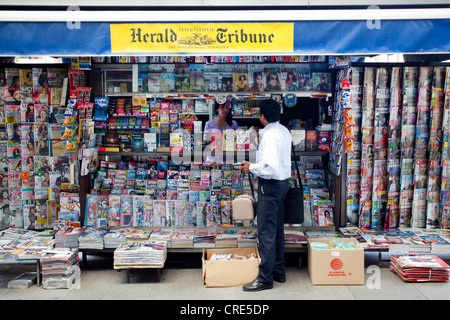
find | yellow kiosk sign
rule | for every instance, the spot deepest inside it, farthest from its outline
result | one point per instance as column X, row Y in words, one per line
column 203, row 38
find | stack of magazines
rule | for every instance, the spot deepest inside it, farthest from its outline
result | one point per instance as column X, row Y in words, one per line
column 246, row 239
column 60, row 269
column 420, row 268
column 91, row 238
column 182, row 238
column 115, row 238
column 67, row 237
column 204, row 239
column 294, row 237
column 142, row 254
column 226, row 238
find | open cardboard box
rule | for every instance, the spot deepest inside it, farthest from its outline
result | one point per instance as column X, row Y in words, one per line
column 229, row 273
column 335, row 266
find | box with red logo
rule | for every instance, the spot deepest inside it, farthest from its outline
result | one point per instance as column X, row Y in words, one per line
column 331, row 266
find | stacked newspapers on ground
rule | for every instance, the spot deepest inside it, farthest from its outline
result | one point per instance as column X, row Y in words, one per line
column 60, row 269
column 420, row 268
column 143, row 254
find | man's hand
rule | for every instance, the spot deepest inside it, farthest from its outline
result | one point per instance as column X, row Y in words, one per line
column 245, row 168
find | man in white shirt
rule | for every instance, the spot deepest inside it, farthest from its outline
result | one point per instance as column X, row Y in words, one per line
column 273, row 168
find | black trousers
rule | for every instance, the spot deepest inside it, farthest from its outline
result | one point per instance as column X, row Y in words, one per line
column 270, row 218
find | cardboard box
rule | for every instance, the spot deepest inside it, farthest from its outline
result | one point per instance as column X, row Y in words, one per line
column 229, row 273
column 335, row 266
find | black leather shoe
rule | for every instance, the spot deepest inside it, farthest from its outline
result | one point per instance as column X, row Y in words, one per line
column 279, row 279
column 256, row 286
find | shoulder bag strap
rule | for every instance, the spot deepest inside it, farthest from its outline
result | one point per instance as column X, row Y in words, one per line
column 296, row 167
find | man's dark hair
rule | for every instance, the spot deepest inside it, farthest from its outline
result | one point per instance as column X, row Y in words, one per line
column 271, row 110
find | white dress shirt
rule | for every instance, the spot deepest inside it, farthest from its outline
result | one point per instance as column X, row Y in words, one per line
column 273, row 157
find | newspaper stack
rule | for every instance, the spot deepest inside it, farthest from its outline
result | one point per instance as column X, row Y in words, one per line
column 91, row 238
column 67, row 237
column 204, row 239
column 142, row 254
column 420, row 268
column 23, row 281
column 115, row 238
column 60, row 269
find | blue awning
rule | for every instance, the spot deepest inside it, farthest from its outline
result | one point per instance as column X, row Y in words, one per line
column 309, row 38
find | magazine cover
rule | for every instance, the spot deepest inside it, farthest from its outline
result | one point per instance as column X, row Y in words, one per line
column 29, row 214
column 69, row 202
column 12, row 113
column 226, row 212
column 197, row 81
column 148, row 211
column 180, row 218
column 213, row 218
column 138, row 211
column 167, row 83
column 41, row 113
column 211, row 80
column 159, row 214
column 298, row 139
column 114, row 210
column 289, row 78
column 240, row 82
column 154, row 82
column 182, row 82
column 324, row 215
column 321, row 81
column 225, row 81
column 273, row 79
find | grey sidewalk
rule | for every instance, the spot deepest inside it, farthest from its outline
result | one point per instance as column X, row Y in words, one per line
column 182, row 280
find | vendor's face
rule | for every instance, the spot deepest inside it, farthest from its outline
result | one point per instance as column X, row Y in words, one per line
column 222, row 110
